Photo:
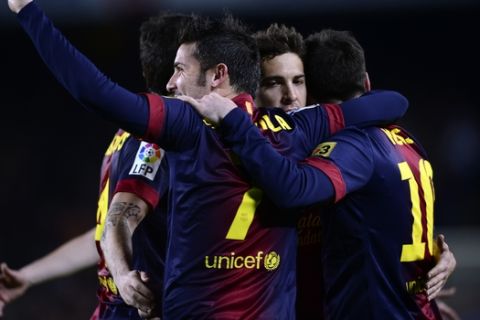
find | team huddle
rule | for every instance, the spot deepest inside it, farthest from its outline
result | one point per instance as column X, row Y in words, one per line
column 262, row 179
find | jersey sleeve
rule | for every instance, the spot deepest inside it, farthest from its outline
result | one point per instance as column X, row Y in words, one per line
column 374, row 108
column 317, row 179
column 145, row 116
column 173, row 124
column 81, row 77
column 141, row 170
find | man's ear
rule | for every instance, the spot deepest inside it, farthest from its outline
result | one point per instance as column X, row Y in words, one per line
column 367, row 84
column 220, row 75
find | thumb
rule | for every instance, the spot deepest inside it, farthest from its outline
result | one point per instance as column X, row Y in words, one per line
column 7, row 272
column 144, row 276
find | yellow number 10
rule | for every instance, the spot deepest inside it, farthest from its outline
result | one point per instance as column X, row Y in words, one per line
column 416, row 250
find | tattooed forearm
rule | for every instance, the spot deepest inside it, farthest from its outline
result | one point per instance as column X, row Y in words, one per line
column 122, row 210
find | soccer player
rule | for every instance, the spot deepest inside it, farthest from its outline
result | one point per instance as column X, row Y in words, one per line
column 158, row 43
column 376, row 186
column 283, row 84
column 226, row 257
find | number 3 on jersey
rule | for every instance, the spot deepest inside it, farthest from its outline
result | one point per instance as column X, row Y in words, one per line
column 416, row 250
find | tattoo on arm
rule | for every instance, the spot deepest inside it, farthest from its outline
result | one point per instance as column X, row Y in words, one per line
column 122, row 210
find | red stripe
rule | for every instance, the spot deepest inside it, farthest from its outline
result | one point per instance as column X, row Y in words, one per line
column 335, row 117
column 332, row 172
column 156, row 119
column 141, row 189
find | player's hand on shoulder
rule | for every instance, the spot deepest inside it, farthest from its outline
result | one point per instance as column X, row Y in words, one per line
column 134, row 291
column 17, row 5
column 212, row 106
column 438, row 276
column 12, row 285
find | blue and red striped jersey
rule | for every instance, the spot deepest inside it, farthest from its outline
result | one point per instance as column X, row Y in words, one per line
column 211, row 188
column 377, row 239
column 130, row 165
column 226, row 257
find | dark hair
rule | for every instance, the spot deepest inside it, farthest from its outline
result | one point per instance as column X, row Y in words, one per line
column 159, row 41
column 277, row 40
column 227, row 41
column 334, row 66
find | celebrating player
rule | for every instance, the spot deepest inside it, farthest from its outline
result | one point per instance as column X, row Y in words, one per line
column 226, row 258
column 376, row 185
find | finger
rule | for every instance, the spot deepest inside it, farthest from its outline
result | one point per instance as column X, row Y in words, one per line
column 145, row 312
column 448, row 292
column 188, row 99
column 432, row 292
column 447, row 312
column 140, row 300
column 439, row 269
column 442, row 243
column 144, row 276
column 434, row 281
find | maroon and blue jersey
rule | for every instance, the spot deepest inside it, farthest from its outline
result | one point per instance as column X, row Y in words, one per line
column 130, row 165
column 309, row 265
column 229, row 255
column 378, row 237
column 377, row 229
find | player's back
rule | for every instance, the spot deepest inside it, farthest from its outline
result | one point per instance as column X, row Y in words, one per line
column 120, row 173
column 379, row 239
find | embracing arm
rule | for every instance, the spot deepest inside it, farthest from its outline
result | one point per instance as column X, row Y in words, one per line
column 446, row 263
column 75, row 255
column 80, row 76
column 126, row 212
column 287, row 183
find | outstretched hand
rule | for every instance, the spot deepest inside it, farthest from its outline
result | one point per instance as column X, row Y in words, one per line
column 212, row 106
column 17, row 5
column 12, row 285
column 437, row 277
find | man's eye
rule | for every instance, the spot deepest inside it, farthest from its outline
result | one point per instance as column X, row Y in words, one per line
column 299, row 81
column 270, row 83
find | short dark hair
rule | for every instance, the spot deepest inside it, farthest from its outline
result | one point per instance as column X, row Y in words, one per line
column 277, row 40
column 226, row 40
column 334, row 66
column 159, row 41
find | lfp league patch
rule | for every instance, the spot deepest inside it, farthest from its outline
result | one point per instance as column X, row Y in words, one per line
column 147, row 161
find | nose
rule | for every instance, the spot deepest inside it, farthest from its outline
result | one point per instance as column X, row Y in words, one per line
column 171, row 85
column 289, row 94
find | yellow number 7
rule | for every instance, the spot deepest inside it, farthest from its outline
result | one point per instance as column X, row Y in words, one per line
column 416, row 250
column 245, row 213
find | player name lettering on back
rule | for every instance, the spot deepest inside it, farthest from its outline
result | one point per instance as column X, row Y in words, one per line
column 275, row 124
column 395, row 137
column 117, row 143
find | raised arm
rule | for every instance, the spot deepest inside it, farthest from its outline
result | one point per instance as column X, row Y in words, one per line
column 78, row 75
column 75, row 255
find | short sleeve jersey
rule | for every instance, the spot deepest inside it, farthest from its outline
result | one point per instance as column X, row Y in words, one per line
column 130, row 165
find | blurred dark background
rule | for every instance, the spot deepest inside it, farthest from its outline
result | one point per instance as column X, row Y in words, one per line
column 51, row 147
